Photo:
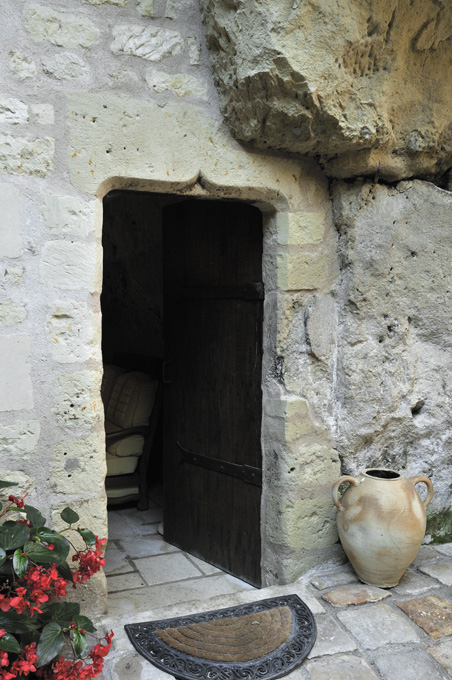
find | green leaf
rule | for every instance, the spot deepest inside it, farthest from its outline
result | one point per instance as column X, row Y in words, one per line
column 62, row 612
column 88, row 536
column 18, row 623
column 64, row 571
column 39, row 553
column 4, row 484
column 34, row 516
column 60, row 543
column 69, row 516
column 85, row 623
column 2, row 556
column 13, row 535
column 20, row 563
column 50, row 643
column 79, row 640
column 61, row 550
column 9, row 643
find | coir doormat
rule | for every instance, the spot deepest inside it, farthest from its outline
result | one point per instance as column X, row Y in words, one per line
column 264, row 640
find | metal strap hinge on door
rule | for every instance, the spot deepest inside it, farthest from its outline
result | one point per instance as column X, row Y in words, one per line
column 247, row 473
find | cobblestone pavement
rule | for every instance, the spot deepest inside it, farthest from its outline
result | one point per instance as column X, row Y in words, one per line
column 364, row 632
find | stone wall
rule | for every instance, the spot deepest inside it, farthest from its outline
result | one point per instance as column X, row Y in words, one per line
column 102, row 95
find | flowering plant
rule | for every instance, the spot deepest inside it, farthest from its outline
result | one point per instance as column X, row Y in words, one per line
column 36, row 629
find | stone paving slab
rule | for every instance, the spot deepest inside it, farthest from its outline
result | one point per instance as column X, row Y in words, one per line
column 439, row 570
column 334, row 579
column 378, row 625
column 163, row 568
column 413, row 583
column 355, row 595
column 445, row 549
column 340, row 668
column 116, row 561
column 331, row 639
column 409, row 665
column 125, row 582
column 147, row 545
column 432, row 613
column 442, row 652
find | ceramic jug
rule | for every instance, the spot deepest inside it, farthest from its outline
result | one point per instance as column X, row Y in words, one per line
column 381, row 523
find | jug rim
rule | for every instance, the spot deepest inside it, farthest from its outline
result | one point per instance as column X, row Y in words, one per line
column 382, row 474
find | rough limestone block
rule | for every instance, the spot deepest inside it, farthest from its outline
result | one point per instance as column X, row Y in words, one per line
column 60, row 28
column 26, row 156
column 321, row 327
column 146, row 8
column 25, row 484
column 73, row 332
column 439, row 570
column 13, row 111
column 78, row 402
column 15, row 383
column 341, row 668
column 12, row 313
column 151, row 42
column 68, row 215
column 92, row 513
column 180, row 84
column 379, row 99
column 42, row 113
column 300, row 269
column 20, row 440
column 21, row 66
column 92, row 595
column 10, row 222
column 70, row 266
column 304, row 228
column 378, row 626
column 395, row 345
column 65, row 66
column 79, row 464
column 335, row 578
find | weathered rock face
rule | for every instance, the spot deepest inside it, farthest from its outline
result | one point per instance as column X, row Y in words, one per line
column 356, row 83
column 394, row 373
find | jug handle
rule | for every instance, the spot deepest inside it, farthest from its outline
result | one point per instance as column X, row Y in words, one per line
column 341, row 480
column 422, row 478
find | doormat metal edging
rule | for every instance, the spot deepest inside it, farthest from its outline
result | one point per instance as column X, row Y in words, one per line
column 282, row 660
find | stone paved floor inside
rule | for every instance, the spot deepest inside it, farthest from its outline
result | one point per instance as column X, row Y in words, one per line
column 364, row 633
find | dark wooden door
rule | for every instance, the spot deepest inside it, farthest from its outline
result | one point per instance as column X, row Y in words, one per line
column 213, row 305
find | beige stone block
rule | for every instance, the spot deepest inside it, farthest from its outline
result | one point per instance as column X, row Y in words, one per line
column 15, row 383
column 288, row 418
column 78, row 402
column 180, row 84
column 42, row 113
column 12, row 313
column 13, row 111
column 91, row 595
column 79, row 464
column 26, row 156
column 146, row 8
column 117, row 3
column 92, row 514
column 25, row 484
column 66, row 66
column 60, row 28
column 13, row 275
column 355, row 595
column 73, row 332
column 148, row 42
column 300, row 269
column 176, row 9
column 10, row 222
column 21, row 65
column 69, row 215
column 69, row 265
column 302, row 524
column 20, row 439
column 194, row 51
column 303, row 228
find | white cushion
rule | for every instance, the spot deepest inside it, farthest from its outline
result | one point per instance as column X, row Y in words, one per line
column 131, row 400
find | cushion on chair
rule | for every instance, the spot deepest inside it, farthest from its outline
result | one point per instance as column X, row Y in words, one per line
column 121, row 465
column 111, row 372
column 131, row 400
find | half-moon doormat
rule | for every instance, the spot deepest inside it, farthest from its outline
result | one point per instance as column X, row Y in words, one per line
column 264, row 640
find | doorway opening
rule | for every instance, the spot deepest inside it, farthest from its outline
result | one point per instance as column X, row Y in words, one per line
column 182, row 311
